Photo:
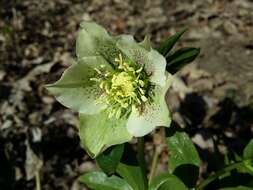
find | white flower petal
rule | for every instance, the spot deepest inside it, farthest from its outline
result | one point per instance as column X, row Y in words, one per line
column 92, row 40
column 154, row 63
column 98, row 132
column 75, row 90
column 156, row 114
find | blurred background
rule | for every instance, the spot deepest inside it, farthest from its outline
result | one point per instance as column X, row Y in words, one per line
column 211, row 98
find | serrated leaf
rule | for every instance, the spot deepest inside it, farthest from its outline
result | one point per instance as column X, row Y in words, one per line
column 248, row 150
column 168, row 44
column 181, row 58
column 99, row 181
column 183, row 157
column 167, row 181
column 109, row 160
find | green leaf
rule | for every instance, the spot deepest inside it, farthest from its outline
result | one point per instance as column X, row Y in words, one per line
column 183, row 157
column 181, row 150
column 248, row 167
column 237, row 188
column 167, row 181
column 99, row 181
column 109, row 160
column 168, row 44
column 75, row 90
column 248, row 150
column 130, row 170
column 97, row 132
column 234, row 180
column 227, row 177
column 132, row 174
column 180, row 58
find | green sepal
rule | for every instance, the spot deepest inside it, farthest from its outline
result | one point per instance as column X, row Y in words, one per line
column 75, row 90
column 93, row 39
column 98, row 132
column 88, row 37
column 146, row 43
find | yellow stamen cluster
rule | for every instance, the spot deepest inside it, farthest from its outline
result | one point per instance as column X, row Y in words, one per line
column 124, row 87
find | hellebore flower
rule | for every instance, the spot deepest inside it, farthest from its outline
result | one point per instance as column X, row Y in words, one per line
column 118, row 87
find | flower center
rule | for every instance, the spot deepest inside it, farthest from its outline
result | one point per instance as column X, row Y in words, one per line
column 123, row 83
column 128, row 85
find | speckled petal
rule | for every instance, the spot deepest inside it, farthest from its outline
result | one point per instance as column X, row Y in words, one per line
column 93, row 39
column 97, row 132
column 155, row 114
column 75, row 90
column 154, row 63
column 88, row 36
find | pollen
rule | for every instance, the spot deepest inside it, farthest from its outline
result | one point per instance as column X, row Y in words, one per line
column 126, row 86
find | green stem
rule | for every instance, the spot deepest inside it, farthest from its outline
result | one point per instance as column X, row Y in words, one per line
column 159, row 140
column 37, row 181
column 218, row 174
column 154, row 164
column 141, row 160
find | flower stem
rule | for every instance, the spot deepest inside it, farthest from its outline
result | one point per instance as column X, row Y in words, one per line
column 37, row 181
column 141, row 160
column 218, row 174
column 159, row 140
column 154, row 163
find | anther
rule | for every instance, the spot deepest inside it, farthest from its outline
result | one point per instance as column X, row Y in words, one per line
column 143, row 98
column 98, row 71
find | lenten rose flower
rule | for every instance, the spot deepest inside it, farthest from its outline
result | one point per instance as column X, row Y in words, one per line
column 117, row 85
